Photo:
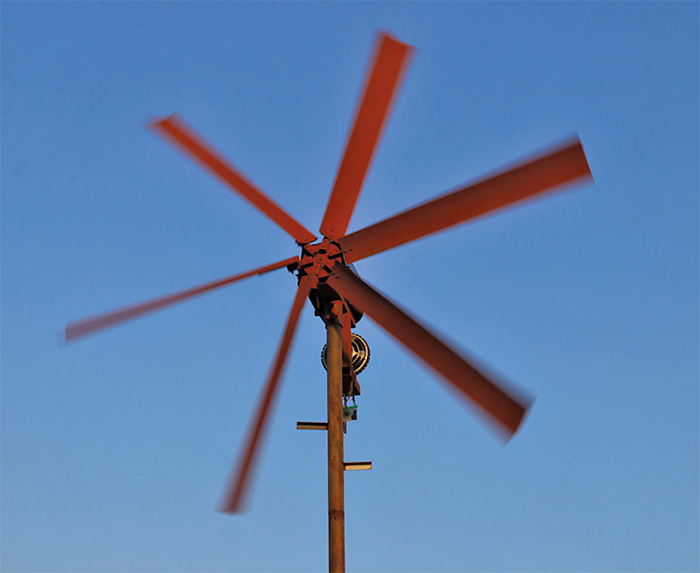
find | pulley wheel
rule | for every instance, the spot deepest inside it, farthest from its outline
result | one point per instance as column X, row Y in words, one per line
column 360, row 354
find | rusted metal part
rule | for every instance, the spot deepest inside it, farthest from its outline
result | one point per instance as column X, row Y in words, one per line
column 316, row 261
column 318, row 258
column 503, row 407
column 238, row 487
column 553, row 169
column 382, row 82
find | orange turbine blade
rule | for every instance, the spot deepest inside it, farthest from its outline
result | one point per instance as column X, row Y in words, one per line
column 556, row 168
column 84, row 327
column 500, row 405
column 382, row 82
column 236, row 493
column 174, row 129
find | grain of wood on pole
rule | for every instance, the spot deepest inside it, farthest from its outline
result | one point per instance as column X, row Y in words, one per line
column 336, row 469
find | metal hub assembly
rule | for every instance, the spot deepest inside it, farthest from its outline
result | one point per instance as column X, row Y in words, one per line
column 316, row 262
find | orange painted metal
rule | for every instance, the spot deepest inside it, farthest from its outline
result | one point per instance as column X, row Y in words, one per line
column 84, row 327
column 500, row 405
column 174, row 129
column 382, row 82
column 234, row 501
column 563, row 165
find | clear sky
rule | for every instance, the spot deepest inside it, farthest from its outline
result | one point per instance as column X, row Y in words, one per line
column 115, row 449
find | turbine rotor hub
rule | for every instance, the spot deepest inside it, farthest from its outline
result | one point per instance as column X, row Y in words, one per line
column 318, row 259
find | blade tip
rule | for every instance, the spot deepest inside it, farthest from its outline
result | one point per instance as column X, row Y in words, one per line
column 510, row 430
column 575, row 143
column 387, row 36
column 232, row 506
column 69, row 334
column 160, row 123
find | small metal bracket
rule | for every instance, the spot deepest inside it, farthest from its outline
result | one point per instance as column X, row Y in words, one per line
column 349, row 466
column 312, row 426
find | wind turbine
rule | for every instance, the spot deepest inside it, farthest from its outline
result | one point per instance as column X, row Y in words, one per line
column 325, row 275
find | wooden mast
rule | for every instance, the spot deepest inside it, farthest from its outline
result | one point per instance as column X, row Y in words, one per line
column 336, row 456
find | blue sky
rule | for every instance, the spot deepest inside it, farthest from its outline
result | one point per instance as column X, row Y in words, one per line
column 115, row 449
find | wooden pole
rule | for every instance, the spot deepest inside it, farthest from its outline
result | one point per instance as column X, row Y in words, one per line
column 336, row 456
